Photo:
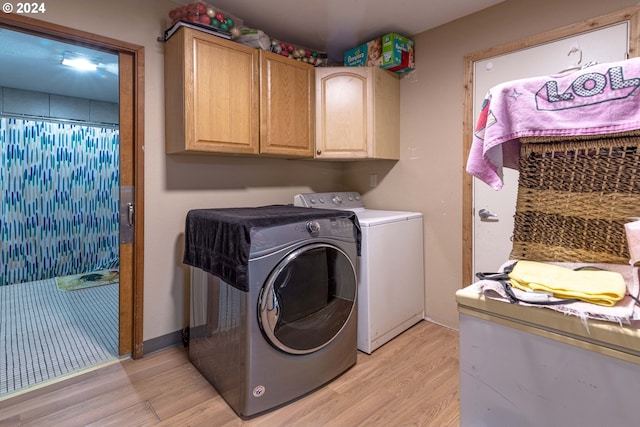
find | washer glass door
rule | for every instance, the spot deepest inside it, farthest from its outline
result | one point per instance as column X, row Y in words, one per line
column 308, row 298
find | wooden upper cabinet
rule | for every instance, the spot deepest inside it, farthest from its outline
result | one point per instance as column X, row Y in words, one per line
column 224, row 97
column 357, row 113
column 211, row 95
column 287, row 106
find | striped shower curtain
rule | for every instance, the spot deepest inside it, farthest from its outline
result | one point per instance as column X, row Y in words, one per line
column 59, row 199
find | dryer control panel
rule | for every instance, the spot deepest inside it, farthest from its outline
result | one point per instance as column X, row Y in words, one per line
column 265, row 240
column 335, row 200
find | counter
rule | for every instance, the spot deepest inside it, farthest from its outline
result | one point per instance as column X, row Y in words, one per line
column 532, row 366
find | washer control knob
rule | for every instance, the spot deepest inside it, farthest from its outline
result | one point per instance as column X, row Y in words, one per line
column 337, row 199
column 313, row 227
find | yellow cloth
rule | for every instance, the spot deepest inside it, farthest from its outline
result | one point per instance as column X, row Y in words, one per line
column 594, row 286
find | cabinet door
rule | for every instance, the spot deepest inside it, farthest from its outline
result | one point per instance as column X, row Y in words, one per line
column 386, row 135
column 212, row 94
column 344, row 123
column 287, row 107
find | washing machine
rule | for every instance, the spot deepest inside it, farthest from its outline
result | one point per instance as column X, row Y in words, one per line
column 390, row 268
column 273, row 301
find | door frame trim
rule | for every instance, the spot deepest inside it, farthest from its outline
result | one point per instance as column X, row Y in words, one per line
column 631, row 15
column 132, row 136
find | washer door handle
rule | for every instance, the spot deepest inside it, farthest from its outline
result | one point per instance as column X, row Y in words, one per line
column 272, row 308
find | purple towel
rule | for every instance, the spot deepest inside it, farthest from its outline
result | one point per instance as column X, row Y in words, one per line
column 600, row 99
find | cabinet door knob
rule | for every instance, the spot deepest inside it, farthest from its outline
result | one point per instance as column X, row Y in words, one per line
column 318, row 152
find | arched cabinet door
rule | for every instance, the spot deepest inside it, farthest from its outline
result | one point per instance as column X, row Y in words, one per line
column 357, row 113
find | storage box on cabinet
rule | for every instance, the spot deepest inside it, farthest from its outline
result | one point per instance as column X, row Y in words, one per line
column 358, row 113
column 227, row 98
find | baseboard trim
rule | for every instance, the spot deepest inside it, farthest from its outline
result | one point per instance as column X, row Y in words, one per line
column 164, row 341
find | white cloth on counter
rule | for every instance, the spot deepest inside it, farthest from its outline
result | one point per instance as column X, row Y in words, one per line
column 624, row 312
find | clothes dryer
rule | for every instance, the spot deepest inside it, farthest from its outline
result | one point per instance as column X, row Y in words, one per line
column 273, row 301
column 390, row 268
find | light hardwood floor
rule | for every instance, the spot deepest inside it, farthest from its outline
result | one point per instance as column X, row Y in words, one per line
column 411, row 381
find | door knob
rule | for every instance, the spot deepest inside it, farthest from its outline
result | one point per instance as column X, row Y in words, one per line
column 487, row 216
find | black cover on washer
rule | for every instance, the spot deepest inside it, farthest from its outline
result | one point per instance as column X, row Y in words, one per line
column 218, row 240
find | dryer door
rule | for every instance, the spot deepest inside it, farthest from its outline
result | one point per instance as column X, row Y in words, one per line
column 308, row 298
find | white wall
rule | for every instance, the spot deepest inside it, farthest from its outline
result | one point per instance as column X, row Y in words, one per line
column 428, row 178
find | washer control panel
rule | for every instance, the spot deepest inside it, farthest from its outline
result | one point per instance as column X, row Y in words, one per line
column 336, row 200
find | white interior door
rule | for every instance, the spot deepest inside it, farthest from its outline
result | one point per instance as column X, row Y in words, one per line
column 492, row 235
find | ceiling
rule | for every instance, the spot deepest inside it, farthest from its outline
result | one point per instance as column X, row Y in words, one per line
column 332, row 26
column 335, row 26
column 34, row 63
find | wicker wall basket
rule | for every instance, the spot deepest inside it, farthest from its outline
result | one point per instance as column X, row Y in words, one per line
column 574, row 198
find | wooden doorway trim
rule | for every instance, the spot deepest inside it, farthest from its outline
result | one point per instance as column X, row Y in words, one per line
column 631, row 15
column 131, row 76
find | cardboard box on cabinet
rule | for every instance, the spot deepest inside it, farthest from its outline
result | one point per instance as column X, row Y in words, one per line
column 366, row 55
column 392, row 52
column 397, row 53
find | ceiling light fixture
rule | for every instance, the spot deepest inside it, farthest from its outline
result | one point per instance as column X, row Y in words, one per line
column 79, row 62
